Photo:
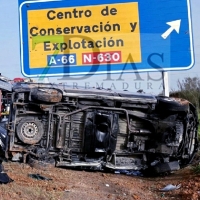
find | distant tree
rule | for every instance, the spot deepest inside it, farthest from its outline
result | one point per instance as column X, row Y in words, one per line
column 189, row 84
column 189, row 88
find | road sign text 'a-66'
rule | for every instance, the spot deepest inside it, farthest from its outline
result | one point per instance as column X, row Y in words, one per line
column 65, row 37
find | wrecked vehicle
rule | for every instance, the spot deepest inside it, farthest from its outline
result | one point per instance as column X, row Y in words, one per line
column 99, row 129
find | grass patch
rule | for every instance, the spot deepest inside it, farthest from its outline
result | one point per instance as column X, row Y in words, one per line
column 196, row 169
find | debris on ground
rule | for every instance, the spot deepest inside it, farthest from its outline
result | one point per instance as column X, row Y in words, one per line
column 129, row 172
column 4, row 178
column 39, row 177
column 170, row 187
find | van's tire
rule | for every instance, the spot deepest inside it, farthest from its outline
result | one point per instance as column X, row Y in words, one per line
column 30, row 130
column 190, row 138
column 171, row 104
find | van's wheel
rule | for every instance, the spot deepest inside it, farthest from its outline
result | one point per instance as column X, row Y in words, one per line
column 190, row 139
column 171, row 104
column 30, row 130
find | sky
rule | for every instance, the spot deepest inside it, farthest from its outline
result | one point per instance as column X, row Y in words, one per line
column 150, row 82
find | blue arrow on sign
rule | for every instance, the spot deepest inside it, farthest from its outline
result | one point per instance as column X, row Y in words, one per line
column 65, row 37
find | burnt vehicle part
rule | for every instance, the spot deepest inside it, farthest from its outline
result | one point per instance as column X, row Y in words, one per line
column 100, row 129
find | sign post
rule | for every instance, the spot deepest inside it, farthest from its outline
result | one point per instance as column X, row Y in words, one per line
column 165, row 83
column 65, row 37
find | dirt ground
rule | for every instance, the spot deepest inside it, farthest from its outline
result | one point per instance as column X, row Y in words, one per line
column 75, row 185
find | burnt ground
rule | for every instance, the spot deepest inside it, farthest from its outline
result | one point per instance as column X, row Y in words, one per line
column 75, row 185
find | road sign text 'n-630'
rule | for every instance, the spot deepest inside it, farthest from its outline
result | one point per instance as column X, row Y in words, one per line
column 65, row 37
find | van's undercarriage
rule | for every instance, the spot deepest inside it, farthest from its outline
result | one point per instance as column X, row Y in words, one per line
column 99, row 129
